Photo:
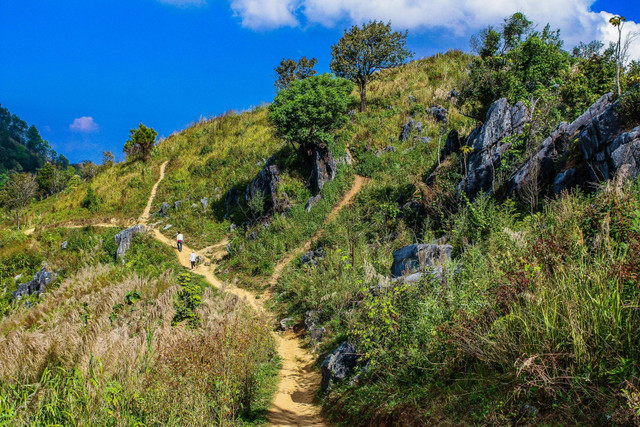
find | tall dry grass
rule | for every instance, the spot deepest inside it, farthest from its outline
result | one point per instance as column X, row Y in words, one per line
column 79, row 357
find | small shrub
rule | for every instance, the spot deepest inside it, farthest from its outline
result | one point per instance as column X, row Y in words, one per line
column 91, row 201
column 188, row 300
column 368, row 164
column 629, row 108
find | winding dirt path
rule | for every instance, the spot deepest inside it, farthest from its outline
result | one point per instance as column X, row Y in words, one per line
column 147, row 210
column 299, row 382
column 293, row 403
column 306, row 247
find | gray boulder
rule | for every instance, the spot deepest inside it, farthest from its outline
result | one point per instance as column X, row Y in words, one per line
column 37, row 285
column 406, row 130
column 439, row 113
column 314, row 331
column 418, row 257
column 123, row 239
column 626, row 154
column 452, row 144
column 323, row 168
column 564, row 180
column 503, row 120
column 64, row 245
column 176, row 204
column 204, row 202
column 163, row 209
column 265, row 185
column 339, row 364
column 312, row 202
column 606, row 153
column 311, row 257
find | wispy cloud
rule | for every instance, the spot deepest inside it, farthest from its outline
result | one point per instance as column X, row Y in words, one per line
column 266, row 14
column 84, row 124
column 573, row 17
column 184, row 3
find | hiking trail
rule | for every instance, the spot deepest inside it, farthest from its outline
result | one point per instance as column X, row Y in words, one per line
column 147, row 210
column 348, row 197
column 293, row 403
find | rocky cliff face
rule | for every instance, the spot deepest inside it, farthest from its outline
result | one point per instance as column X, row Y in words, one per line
column 589, row 150
column 323, row 169
column 265, row 185
column 488, row 145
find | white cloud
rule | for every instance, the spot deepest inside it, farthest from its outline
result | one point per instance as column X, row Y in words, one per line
column 265, row 14
column 573, row 17
column 84, row 124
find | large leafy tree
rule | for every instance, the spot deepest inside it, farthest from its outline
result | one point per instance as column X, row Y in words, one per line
column 290, row 70
column 140, row 142
column 18, row 193
column 517, row 63
column 363, row 51
column 310, row 110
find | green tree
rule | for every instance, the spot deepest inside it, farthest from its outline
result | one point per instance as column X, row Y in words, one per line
column 590, row 76
column 486, row 43
column 586, row 51
column 46, row 178
column 310, row 110
column 290, row 70
column 363, row 51
column 531, row 69
column 514, row 29
column 18, row 193
column 52, row 180
column 35, row 141
column 107, row 159
column 140, row 142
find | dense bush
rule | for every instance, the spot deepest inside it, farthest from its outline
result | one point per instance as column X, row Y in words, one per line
column 630, row 108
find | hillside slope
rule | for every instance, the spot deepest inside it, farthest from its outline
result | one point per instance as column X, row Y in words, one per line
column 431, row 290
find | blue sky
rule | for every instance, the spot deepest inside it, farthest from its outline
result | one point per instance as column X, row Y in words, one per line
column 85, row 72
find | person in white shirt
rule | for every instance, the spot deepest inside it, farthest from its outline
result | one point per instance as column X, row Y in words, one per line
column 180, row 239
column 193, row 259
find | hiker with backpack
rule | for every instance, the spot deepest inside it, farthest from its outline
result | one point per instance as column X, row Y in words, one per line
column 193, row 258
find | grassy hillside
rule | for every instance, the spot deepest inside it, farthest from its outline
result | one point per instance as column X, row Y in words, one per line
column 122, row 191
column 534, row 321
column 113, row 344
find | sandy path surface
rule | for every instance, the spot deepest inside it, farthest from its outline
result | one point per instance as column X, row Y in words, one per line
column 147, row 210
column 293, row 403
column 306, row 247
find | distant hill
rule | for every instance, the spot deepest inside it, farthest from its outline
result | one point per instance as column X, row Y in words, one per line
column 22, row 149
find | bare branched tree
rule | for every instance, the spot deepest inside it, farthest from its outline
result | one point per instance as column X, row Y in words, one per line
column 19, row 192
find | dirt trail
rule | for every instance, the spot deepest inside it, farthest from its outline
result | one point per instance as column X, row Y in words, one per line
column 293, row 404
column 299, row 382
column 147, row 210
column 277, row 271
